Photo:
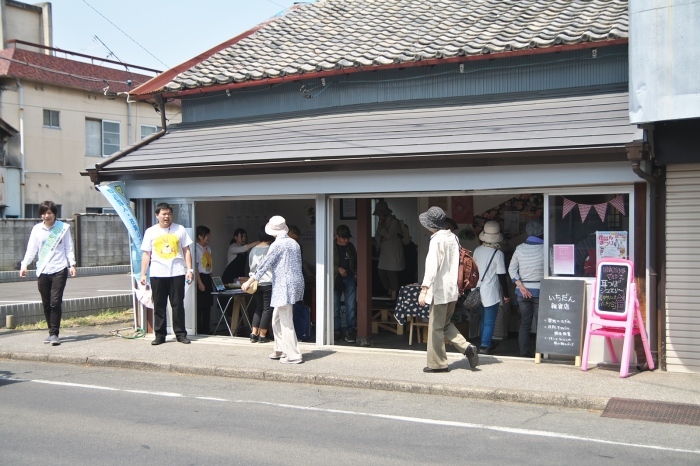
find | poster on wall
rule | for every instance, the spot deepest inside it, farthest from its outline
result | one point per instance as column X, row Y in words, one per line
column 511, row 223
column 611, row 244
column 463, row 209
column 564, row 263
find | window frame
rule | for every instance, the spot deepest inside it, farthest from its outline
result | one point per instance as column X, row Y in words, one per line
column 102, row 137
column 156, row 128
column 575, row 191
column 57, row 113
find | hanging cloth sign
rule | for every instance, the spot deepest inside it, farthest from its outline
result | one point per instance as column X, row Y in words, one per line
column 56, row 234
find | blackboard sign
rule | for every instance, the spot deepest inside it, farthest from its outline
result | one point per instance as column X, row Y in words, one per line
column 612, row 287
column 560, row 316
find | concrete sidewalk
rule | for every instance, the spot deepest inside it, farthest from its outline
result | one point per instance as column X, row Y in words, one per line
column 496, row 378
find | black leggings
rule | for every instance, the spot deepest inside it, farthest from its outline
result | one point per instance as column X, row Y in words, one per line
column 263, row 312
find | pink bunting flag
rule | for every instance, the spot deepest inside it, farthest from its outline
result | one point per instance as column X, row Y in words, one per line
column 568, row 205
column 583, row 209
column 601, row 209
column 619, row 204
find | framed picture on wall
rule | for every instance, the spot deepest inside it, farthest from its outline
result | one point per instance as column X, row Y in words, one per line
column 348, row 209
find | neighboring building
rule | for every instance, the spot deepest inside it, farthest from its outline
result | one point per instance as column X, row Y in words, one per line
column 68, row 114
column 665, row 100
column 30, row 23
column 467, row 105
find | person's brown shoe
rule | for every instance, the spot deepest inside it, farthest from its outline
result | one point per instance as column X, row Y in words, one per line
column 158, row 341
column 184, row 340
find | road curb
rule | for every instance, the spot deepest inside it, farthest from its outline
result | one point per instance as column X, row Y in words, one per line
column 595, row 403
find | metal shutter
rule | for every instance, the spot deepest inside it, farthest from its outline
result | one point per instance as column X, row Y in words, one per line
column 683, row 268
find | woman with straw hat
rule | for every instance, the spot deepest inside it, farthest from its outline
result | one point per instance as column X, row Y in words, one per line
column 492, row 268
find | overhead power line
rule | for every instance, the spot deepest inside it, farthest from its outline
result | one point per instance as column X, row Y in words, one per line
column 127, row 35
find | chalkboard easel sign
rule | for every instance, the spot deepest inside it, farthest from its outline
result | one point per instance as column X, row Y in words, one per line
column 560, row 318
column 612, row 288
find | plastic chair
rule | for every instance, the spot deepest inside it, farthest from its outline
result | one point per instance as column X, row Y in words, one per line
column 611, row 325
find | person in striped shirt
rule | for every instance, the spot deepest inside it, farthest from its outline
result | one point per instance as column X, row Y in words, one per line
column 527, row 270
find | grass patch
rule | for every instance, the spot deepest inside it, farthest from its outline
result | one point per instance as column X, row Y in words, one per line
column 107, row 317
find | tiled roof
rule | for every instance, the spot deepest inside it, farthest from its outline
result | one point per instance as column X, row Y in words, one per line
column 357, row 35
column 25, row 64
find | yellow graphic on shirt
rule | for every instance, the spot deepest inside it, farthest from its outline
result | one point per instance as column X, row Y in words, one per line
column 206, row 261
column 166, row 246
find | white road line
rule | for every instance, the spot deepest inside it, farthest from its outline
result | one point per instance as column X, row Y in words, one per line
column 435, row 422
column 146, row 392
column 68, row 384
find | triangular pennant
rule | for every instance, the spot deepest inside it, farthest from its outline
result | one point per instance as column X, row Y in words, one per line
column 568, row 205
column 601, row 209
column 619, row 204
column 583, row 210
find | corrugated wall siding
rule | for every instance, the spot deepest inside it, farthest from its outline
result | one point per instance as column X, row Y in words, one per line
column 509, row 75
column 683, row 268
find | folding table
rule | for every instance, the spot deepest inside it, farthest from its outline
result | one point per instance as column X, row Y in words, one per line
column 243, row 308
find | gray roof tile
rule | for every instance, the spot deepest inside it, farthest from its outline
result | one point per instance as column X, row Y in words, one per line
column 335, row 34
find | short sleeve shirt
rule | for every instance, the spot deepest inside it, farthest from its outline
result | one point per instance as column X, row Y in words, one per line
column 165, row 246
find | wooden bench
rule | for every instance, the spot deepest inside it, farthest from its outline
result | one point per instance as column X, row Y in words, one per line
column 383, row 318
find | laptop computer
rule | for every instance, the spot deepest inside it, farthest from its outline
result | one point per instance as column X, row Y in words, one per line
column 218, row 284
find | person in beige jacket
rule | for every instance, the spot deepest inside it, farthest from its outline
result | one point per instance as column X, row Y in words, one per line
column 439, row 289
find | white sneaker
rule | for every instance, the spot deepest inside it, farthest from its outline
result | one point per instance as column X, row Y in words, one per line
column 277, row 355
column 284, row 360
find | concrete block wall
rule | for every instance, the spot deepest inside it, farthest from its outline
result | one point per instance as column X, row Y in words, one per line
column 103, row 240
column 31, row 313
column 14, row 235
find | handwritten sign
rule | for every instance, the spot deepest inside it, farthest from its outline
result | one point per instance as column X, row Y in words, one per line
column 560, row 317
column 612, row 287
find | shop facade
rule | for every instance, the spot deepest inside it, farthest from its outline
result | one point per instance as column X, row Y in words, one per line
column 532, row 123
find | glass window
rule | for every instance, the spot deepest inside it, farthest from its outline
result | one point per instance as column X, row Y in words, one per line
column 575, row 219
column 93, row 137
column 32, row 211
column 110, row 137
column 147, row 130
column 102, row 137
column 51, row 119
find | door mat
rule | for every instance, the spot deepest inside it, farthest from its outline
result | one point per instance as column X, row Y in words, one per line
column 656, row 411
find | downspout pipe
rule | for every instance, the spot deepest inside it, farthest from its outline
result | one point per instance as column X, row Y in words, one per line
column 23, row 177
column 637, row 153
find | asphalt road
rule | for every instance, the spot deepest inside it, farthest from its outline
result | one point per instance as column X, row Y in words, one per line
column 61, row 414
column 26, row 291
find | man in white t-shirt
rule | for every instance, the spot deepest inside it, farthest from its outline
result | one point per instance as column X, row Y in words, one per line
column 166, row 247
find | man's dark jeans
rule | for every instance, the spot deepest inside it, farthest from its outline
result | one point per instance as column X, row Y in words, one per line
column 51, row 286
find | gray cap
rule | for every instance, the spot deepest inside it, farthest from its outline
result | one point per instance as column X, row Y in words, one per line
column 534, row 228
column 433, row 218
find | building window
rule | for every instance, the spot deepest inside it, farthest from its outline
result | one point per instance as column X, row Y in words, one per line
column 100, row 210
column 32, row 211
column 51, row 119
column 102, row 137
column 147, row 130
column 574, row 221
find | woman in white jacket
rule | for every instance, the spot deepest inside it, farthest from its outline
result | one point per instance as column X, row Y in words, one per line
column 439, row 289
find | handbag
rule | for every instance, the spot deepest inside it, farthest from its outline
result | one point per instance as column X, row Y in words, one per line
column 473, row 299
column 253, row 287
